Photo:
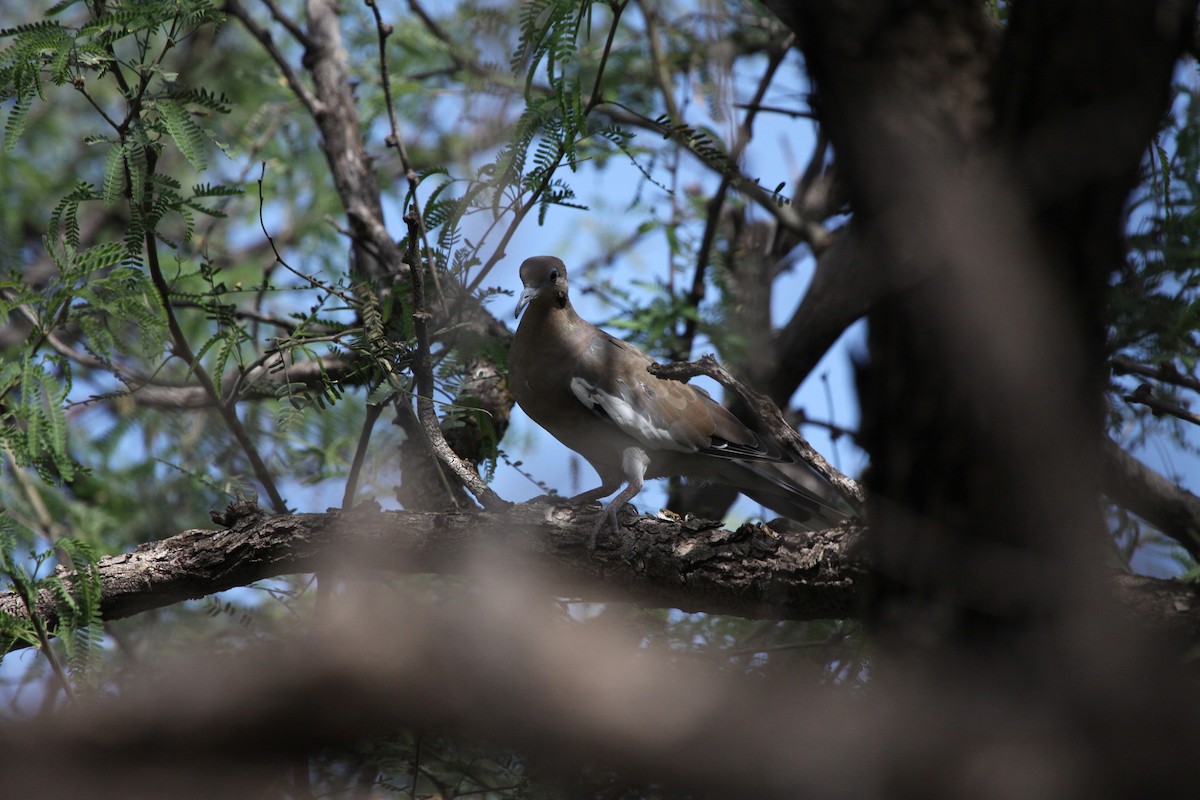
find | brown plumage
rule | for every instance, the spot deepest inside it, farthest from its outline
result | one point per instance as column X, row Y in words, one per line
column 594, row 394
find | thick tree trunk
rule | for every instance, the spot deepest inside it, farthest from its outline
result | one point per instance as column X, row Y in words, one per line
column 988, row 176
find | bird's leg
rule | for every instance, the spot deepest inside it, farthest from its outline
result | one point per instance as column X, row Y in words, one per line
column 634, row 462
column 603, row 490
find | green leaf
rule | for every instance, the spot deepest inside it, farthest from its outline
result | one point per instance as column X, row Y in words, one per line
column 114, row 175
column 17, row 118
column 183, row 130
column 98, row 257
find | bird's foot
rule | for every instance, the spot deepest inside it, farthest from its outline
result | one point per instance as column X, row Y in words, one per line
column 607, row 518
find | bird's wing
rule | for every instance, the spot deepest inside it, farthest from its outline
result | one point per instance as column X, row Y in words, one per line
column 611, row 379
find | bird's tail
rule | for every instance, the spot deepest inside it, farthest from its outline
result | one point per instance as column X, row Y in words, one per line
column 796, row 492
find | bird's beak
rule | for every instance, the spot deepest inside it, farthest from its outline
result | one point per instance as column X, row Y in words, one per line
column 526, row 296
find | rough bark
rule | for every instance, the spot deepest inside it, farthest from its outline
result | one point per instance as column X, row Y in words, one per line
column 693, row 565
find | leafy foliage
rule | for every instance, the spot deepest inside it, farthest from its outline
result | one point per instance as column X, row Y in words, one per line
column 75, row 599
column 1155, row 300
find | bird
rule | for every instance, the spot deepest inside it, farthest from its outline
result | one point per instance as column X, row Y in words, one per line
column 593, row 392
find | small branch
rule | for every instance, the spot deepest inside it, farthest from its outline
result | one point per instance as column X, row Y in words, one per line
column 770, row 416
column 423, row 369
column 235, row 9
column 1144, row 395
column 595, row 98
column 661, row 73
column 292, row 27
column 255, row 315
column 835, row 431
column 717, row 202
column 228, row 413
column 1132, row 485
column 1167, row 373
column 791, row 112
column 383, row 31
column 452, row 47
column 23, row 592
column 360, row 455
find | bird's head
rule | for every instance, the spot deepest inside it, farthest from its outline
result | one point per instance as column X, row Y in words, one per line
column 545, row 277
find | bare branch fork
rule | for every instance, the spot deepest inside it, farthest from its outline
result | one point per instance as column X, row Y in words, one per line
column 423, row 367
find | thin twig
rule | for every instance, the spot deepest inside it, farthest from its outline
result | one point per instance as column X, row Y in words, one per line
column 717, row 202
column 661, row 74
column 791, row 112
column 360, row 454
column 383, row 31
column 25, row 592
column 313, row 282
column 235, row 9
column 182, row 349
column 594, row 100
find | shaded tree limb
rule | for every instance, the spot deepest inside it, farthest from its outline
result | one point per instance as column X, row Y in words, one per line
column 1132, row 485
column 965, row 168
column 693, row 565
column 846, row 284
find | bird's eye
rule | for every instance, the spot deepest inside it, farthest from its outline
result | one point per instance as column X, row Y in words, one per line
column 553, row 275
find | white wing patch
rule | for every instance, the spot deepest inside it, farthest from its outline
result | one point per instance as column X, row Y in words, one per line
column 624, row 413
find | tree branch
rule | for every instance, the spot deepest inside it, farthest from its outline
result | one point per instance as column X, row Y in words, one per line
column 235, row 9
column 423, row 370
column 693, row 565
column 1132, row 485
column 1167, row 373
column 1144, row 395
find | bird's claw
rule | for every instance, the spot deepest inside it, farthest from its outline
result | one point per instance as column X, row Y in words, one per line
column 607, row 518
